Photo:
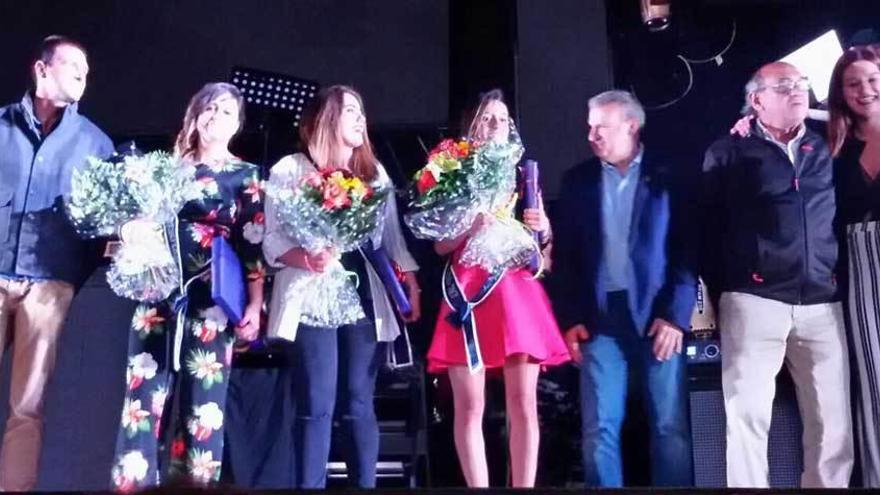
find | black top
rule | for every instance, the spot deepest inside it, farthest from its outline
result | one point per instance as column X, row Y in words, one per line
column 857, row 199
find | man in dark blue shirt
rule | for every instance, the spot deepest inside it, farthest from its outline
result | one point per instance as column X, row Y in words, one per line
column 42, row 140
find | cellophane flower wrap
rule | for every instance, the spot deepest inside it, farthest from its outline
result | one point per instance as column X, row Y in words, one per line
column 330, row 209
column 136, row 197
column 461, row 180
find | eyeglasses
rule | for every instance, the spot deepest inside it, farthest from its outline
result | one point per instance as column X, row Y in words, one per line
column 786, row 86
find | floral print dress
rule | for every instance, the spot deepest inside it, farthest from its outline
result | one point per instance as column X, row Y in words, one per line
column 232, row 206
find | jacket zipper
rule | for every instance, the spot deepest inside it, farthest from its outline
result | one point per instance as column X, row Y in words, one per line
column 797, row 188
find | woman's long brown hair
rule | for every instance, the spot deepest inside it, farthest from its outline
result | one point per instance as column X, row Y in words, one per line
column 843, row 121
column 186, row 146
column 319, row 132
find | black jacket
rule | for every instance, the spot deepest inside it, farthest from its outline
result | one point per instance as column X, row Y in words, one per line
column 767, row 223
column 662, row 281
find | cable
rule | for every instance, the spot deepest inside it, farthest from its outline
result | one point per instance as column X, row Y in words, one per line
column 678, row 98
column 717, row 56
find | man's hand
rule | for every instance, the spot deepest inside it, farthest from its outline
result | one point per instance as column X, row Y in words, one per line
column 667, row 339
column 573, row 338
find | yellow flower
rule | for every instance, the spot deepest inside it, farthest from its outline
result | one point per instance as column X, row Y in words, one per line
column 358, row 189
column 450, row 164
column 351, row 183
column 337, row 178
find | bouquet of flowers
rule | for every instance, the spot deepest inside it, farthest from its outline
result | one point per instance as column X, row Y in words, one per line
column 462, row 180
column 330, row 209
column 136, row 198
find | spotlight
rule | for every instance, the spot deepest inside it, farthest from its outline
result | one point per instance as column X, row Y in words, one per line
column 655, row 14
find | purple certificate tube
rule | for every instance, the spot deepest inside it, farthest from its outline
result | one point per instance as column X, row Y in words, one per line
column 530, row 200
column 382, row 264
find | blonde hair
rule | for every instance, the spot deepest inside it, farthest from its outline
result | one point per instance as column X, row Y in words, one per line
column 186, row 146
column 485, row 98
column 319, row 132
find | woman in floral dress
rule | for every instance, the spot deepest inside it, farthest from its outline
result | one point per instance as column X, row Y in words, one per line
column 184, row 344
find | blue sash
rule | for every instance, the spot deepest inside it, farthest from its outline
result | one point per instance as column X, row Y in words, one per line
column 463, row 311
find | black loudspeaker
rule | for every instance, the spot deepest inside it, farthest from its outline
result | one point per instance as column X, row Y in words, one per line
column 785, row 450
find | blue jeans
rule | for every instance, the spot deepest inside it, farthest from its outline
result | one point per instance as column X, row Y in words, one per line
column 612, row 348
column 335, row 365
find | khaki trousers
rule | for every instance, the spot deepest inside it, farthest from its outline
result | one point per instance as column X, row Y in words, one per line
column 31, row 317
column 757, row 336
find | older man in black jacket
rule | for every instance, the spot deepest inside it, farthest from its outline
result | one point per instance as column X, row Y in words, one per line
column 770, row 251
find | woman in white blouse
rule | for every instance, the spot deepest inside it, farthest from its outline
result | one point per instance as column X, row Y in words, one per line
column 334, row 132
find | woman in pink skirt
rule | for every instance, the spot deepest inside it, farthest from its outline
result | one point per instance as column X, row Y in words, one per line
column 515, row 331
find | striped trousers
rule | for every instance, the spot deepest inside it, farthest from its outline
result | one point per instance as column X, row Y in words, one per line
column 863, row 244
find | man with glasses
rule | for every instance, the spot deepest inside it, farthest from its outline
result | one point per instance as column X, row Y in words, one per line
column 769, row 249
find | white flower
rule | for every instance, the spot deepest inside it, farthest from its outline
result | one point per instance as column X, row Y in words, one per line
column 133, row 466
column 203, row 365
column 205, row 420
column 253, row 232
column 435, row 170
column 202, row 466
column 143, row 365
column 209, row 415
column 133, row 415
column 137, row 171
column 215, row 317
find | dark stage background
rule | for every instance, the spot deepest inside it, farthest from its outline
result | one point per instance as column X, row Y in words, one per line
column 418, row 63
column 148, row 58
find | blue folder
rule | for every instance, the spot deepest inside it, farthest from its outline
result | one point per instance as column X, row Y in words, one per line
column 227, row 279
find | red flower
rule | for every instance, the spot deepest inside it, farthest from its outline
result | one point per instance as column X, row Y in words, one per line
column 178, row 449
column 202, row 433
column 125, row 485
column 135, row 381
column 207, row 333
column 455, row 149
column 313, row 179
column 260, row 218
column 204, row 234
column 335, row 196
column 426, row 182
